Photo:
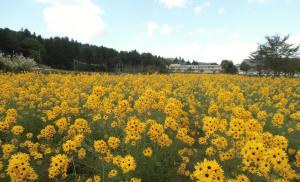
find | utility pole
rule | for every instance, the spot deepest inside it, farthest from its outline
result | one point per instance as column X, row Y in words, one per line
column 75, row 65
column 39, row 56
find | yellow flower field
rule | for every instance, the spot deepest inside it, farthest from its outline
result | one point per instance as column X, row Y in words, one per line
column 180, row 127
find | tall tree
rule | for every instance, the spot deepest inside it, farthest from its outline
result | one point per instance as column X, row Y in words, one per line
column 272, row 55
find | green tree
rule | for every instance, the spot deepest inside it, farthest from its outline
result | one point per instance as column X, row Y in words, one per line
column 8, row 42
column 31, row 47
column 273, row 55
column 228, row 67
column 245, row 67
column 195, row 62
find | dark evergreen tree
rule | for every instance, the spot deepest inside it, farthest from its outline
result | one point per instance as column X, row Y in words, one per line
column 31, row 47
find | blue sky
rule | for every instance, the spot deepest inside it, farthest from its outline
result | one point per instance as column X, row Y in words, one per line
column 202, row 30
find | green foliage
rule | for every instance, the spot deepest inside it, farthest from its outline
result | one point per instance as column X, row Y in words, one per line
column 228, row 67
column 245, row 67
column 32, row 48
column 275, row 56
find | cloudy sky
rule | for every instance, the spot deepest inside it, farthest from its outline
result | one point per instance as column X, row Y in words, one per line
column 202, row 30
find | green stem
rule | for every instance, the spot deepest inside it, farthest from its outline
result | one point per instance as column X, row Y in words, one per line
column 74, row 168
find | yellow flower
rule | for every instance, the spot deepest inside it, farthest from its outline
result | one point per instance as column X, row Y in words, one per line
column 278, row 120
column 101, row 146
column 147, row 152
column 81, row 153
column 17, row 130
column 112, row 173
column 298, row 159
column 128, row 164
column 69, row 146
column 29, row 135
column 97, row 178
column 19, row 168
column 135, row 180
column 59, row 166
column 7, row 148
column 113, row 142
column 208, row 171
column 48, row 132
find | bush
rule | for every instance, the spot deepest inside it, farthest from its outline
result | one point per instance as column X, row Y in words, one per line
column 16, row 63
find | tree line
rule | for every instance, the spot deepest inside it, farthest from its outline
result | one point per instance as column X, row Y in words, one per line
column 274, row 57
column 68, row 54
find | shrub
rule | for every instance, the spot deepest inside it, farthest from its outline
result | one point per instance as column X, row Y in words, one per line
column 16, row 63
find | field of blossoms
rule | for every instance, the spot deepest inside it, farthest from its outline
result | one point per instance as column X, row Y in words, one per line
column 150, row 128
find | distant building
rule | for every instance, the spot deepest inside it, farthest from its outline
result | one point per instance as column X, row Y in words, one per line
column 179, row 68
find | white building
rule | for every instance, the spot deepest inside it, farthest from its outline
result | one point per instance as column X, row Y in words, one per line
column 178, row 68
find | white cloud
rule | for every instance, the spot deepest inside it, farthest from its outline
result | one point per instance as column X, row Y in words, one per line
column 152, row 27
column 198, row 10
column 166, row 29
column 174, row 3
column 236, row 51
column 77, row 19
column 221, row 11
column 294, row 39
